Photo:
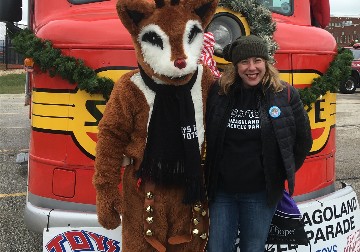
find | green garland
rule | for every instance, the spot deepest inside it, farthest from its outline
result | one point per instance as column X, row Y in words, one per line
column 338, row 71
column 50, row 59
column 260, row 20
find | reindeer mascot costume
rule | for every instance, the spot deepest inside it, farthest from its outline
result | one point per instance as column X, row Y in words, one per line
column 154, row 122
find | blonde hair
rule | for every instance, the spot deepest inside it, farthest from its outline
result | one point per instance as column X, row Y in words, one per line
column 271, row 76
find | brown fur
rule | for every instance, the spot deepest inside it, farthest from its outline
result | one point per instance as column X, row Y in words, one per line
column 123, row 131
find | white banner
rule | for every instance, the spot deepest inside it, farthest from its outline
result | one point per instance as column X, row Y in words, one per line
column 332, row 224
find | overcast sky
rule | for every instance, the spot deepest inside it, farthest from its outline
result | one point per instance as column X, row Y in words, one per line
column 345, row 7
column 337, row 8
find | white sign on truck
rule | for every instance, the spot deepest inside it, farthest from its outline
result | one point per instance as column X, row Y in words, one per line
column 332, row 224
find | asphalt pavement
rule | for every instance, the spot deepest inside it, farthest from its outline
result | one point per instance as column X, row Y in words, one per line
column 14, row 139
column 348, row 139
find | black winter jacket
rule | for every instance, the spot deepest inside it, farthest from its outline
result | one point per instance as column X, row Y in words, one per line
column 286, row 140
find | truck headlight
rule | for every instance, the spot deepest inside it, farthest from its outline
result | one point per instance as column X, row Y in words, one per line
column 226, row 27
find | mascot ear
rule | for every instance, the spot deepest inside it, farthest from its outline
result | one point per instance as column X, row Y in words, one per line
column 203, row 8
column 131, row 12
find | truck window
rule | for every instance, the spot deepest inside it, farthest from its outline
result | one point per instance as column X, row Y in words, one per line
column 284, row 7
column 85, row 1
column 356, row 54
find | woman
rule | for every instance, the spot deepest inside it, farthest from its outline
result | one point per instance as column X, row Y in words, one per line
column 258, row 135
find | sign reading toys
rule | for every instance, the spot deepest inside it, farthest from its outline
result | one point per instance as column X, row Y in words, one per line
column 81, row 239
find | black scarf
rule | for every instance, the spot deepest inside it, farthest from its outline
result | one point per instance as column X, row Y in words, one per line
column 172, row 156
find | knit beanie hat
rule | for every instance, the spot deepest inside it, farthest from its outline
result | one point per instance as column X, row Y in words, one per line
column 246, row 47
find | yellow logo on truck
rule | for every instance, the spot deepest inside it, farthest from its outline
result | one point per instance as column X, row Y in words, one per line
column 78, row 113
column 72, row 112
column 323, row 113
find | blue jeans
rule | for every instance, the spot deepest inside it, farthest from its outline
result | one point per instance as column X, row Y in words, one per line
column 247, row 212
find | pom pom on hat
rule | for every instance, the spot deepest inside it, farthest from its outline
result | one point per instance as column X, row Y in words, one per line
column 246, row 47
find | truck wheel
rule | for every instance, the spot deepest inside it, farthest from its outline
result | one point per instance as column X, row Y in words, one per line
column 348, row 86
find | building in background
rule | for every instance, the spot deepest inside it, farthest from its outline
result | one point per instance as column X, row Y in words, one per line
column 346, row 30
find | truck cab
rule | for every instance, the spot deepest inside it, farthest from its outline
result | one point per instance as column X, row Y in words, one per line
column 64, row 118
column 353, row 81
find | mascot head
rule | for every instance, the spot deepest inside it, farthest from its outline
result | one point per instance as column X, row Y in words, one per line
column 167, row 35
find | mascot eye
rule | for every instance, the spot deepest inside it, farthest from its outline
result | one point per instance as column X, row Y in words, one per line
column 153, row 38
column 194, row 31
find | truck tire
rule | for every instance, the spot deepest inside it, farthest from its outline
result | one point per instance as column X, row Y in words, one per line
column 348, row 86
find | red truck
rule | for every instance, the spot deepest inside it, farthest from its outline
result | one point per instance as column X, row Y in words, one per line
column 64, row 118
column 349, row 86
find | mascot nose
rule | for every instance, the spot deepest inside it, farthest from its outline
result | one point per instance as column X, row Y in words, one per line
column 180, row 63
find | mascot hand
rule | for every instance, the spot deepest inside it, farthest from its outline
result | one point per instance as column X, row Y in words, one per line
column 108, row 205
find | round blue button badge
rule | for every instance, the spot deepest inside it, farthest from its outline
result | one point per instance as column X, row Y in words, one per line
column 274, row 111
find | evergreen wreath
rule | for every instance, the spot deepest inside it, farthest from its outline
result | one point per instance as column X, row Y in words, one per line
column 259, row 18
